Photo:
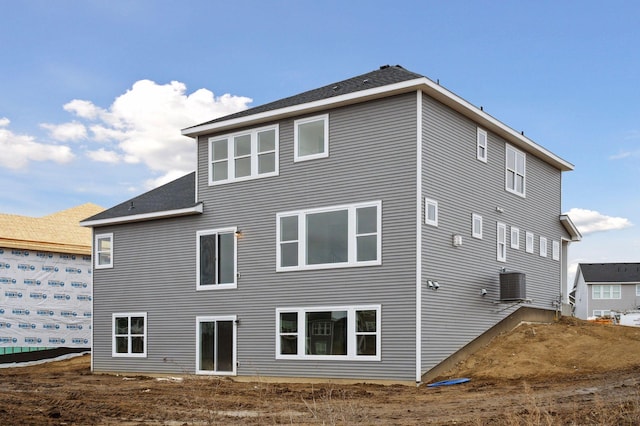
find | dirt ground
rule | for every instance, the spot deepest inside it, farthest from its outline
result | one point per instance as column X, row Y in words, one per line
column 570, row 372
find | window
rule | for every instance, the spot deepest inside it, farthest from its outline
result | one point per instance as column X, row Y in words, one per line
column 609, row 291
column 476, row 226
column 515, row 170
column 481, row 141
column 515, row 238
column 529, row 242
column 637, row 290
column 501, row 242
column 543, row 247
column 555, row 250
column 129, row 335
column 311, row 138
column 602, row 313
column 430, row 212
column 330, row 237
column 216, row 345
column 104, row 251
column 216, row 258
column 346, row 332
column 242, row 156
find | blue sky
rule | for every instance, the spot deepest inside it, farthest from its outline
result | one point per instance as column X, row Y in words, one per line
column 93, row 94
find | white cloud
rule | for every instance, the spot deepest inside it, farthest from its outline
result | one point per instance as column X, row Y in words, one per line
column 72, row 131
column 590, row 221
column 143, row 125
column 18, row 150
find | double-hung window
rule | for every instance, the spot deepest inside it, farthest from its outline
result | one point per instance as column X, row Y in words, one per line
column 476, row 226
column 311, row 138
column 555, row 250
column 515, row 171
column 529, row 242
column 501, row 241
column 325, row 333
column 244, row 155
column 515, row 238
column 216, row 258
column 129, row 335
column 543, row 246
column 331, row 237
column 481, row 145
column 104, row 251
column 605, row 291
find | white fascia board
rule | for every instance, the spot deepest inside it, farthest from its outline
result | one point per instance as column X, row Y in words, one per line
column 568, row 224
column 427, row 86
column 197, row 209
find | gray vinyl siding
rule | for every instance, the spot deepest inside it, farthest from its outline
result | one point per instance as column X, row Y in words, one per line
column 456, row 313
column 372, row 157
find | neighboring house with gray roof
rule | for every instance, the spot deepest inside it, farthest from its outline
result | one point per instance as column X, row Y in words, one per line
column 606, row 289
column 354, row 231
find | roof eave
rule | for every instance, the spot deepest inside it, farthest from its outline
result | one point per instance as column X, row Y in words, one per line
column 197, row 209
column 568, row 224
column 424, row 84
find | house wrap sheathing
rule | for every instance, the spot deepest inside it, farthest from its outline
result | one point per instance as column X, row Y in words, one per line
column 45, row 280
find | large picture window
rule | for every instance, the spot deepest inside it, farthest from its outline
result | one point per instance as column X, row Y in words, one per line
column 104, row 251
column 608, row 291
column 346, row 332
column 242, row 156
column 331, row 237
column 311, row 138
column 216, row 258
column 129, row 335
column 515, row 171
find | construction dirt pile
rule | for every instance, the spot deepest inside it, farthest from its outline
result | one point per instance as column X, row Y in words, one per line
column 570, row 372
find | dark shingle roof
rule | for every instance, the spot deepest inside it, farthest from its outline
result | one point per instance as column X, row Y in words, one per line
column 175, row 195
column 610, row 272
column 386, row 75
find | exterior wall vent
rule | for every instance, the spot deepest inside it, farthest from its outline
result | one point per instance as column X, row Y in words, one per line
column 513, row 286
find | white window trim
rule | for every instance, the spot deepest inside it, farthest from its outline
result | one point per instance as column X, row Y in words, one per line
column 351, row 333
column 501, row 242
column 254, row 155
column 515, row 238
column 113, row 335
column 302, row 238
column 601, row 313
column 637, row 290
column 479, row 136
column 430, row 202
column 610, row 288
column 529, row 241
column 96, row 252
column 234, row 320
column 555, row 250
column 296, row 157
column 231, row 230
column 522, row 194
column 475, row 232
column 543, row 246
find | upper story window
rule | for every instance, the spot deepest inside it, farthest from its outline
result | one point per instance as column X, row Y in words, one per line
column 476, row 226
column 515, row 238
column 501, row 241
column 104, row 251
column 529, row 242
column 515, row 171
column 243, row 156
column 311, row 138
column 430, row 212
column 216, row 259
column 481, row 144
column 609, row 291
column 129, row 335
column 543, row 247
column 555, row 250
column 330, row 237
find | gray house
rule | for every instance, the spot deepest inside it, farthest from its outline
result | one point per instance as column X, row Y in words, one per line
column 359, row 230
column 606, row 289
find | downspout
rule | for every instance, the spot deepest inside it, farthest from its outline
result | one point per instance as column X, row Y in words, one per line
column 418, row 237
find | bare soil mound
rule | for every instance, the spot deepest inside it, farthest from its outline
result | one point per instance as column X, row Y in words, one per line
column 570, row 372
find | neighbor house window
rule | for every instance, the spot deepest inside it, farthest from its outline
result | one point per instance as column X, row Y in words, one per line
column 555, row 250
column 216, row 345
column 242, row 156
column 481, row 143
column 311, row 138
column 476, row 226
column 329, row 237
column 515, row 238
column 430, row 212
column 129, row 335
column 325, row 333
column 638, row 290
column 501, row 242
column 529, row 242
column 607, row 291
column 515, row 171
column 216, row 258
column 601, row 313
column 543, row 247
column 104, row 251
